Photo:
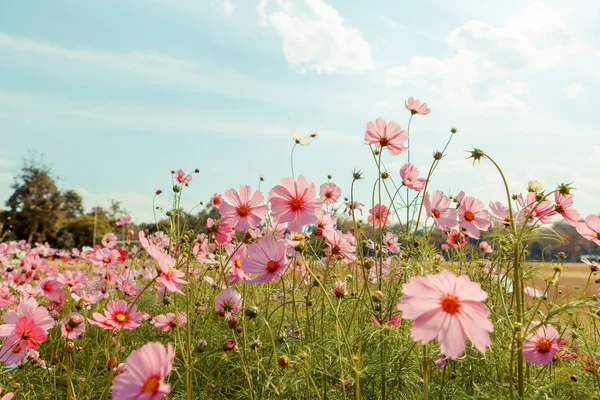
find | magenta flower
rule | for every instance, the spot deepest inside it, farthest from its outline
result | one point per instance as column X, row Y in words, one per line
column 590, row 229
column 438, row 207
column 181, row 177
column 246, row 211
column 144, row 373
column 228, row 302
column 266, row 258
column 388, row 135
column 448, row 307
column 541, row 346
column 378, row 215
column 409, row 174
column 473, row 217
column 415, row 107
column 563, row 207
column 295, row 203
column 330, row 193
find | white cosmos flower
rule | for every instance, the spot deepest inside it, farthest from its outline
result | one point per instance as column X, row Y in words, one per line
column 299, row 139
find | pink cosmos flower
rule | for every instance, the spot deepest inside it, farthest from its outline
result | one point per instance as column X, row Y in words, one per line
column 445, row 247
column 170, row 320
column 473, row 217
column 145, row 371
column 500, row 212
column 590, row 229
column 340, row 245
column 448, row 307
column 87, row 298
column 295, row 203
column 216, row 200
column 390, row 243
column 486, row 247
column 415, row 107
column 378, row 215
column 409, row 174
column 106, row 257
column 27, row 326
column 246, row 211
column 533, row 209
column 72, row 326
column 228, row 302
column 52, row 289
column 541, row 346
column 330, row 193
column 438, row 207
column 351, row 206
column 118, row 315
column 266, row 258
column 222, row 230
column 533, row 292
column 7, row 396
column 339, row 290
column 456, row 239
column 181, row 177
column 236, row 273
column 170, row 277
column 326, row 222
column 563, row 207
column 123, row 221
column 388, row 135
column 392, row 321
column 109, row 240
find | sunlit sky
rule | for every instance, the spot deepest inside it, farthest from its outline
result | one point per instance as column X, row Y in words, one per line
column 116, row 94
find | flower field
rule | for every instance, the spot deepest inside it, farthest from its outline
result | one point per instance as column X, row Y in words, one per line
column 303, row 291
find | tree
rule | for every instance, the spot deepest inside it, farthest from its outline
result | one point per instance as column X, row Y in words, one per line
column 35, row 205
column 72, row 204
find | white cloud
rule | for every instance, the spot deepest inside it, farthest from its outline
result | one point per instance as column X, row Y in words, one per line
column 574, row 90
column 315, row 38
column 483, row 60
column 225, row 7
column 261, row 10
column 5, row 163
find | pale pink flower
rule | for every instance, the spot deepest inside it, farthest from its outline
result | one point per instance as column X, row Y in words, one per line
column 415, row 107
column 170, row 320
column 181, row 177
column 351, row 206
column 533, row 292
column 448, row 307
column 393, row 321
column 486, row 247
column 590, row 229
column 170, row 277
column 378, row 215
column 409, row 174
column 563, row 207
column 295, row 203
column 340, row 245
column 390, row 243
column 330, row 193
column 52, row 289
column 118, row 315
column 145, row 371
column 106, row 257
column 236, row 273
column 7, row 396
column 266, row 258
column 246, row 211
column 459, row 197
column 389, row 135
column 339, row 290
column 223, row 230
column 72, row 326
column 28, row 325
column 326, row 222
column 473, row 217
column 500, row 213
column 87, row 298
column 109, row 240
column 541, row 346
column 123, row 221
column 438, row 207
column 228, row 302
column 533, row 209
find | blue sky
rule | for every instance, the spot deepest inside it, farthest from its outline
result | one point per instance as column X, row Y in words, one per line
column 116, row 94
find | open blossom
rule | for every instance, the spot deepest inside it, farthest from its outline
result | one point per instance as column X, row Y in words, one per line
column 590, row 229
column 106, row 257
column 438, row 207
column 216, row 200
column 340, row 245
column 486, row 247
column 500, row 213
column 267, row 259
column 170, row 320
column 388, row 135
column 533, row 209
column 330, row 193
column 109, row 240
column 409, row 174
column 299, row 139
column 448, row 307
column 339, row 290
column 181, row 177
column 228, row 302
column 27, row 326
column 145, row 371
column 170, row 277
column 295, row 203
column 87, row 298
column 223, row 230
column 390, row 243
column 415, row 106
column 456, row 239
column 541, row 346
column 123, row 221
column 246, row 211
column 473, row 217
column 351, row 206
column 378, row 215
column 118, row 315
column 326, row 222
column 563, row 207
